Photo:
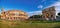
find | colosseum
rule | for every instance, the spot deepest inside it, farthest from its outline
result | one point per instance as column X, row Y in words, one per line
column 13, row 15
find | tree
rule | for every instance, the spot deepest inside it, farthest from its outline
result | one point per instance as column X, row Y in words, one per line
column 35, row 17
column 59, row 14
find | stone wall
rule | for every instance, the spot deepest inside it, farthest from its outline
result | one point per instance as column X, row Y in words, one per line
column 49, row 13
column 13, row 15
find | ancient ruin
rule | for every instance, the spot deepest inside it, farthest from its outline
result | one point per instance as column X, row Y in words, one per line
column 49, row 13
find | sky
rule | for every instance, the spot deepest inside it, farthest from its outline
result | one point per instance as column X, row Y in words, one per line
column 31, row 7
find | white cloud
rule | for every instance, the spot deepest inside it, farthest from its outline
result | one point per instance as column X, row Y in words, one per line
column 34, row 13
column 57, row 6
column 58, row 0
column 40, row 6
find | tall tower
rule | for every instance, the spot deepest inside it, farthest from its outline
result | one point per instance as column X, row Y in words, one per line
column 2, row 13
column 2, row 10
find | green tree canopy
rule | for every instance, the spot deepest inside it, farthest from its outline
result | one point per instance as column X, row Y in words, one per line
column 36, row 16
column 59, row 14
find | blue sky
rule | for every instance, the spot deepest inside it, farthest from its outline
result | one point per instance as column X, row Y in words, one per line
column 32, row 7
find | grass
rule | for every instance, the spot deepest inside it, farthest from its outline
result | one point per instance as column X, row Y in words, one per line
column 29, row 24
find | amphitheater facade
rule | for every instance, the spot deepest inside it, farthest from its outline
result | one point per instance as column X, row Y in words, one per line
column 13, row 15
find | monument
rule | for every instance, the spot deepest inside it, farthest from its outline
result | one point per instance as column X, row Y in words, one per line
column 49, row 13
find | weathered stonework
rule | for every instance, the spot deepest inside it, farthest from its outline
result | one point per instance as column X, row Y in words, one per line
column 13, row 15
column 49, row 13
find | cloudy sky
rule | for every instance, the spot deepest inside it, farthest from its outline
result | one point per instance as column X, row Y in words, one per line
column 32, row 7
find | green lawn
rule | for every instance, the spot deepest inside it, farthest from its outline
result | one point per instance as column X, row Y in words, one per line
column 29, row 24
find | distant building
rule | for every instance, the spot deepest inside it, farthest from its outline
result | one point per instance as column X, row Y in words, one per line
column 13, row 15
column 49, row 13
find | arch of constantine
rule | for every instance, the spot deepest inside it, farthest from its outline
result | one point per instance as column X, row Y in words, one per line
column 49, row 13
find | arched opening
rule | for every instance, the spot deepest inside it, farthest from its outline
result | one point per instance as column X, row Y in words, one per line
column 47, row 15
